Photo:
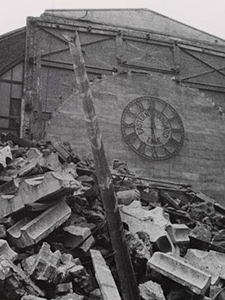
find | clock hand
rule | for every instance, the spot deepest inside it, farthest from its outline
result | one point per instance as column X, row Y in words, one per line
column 152, row 116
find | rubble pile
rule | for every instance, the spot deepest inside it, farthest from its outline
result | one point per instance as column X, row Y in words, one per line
column 54, row 241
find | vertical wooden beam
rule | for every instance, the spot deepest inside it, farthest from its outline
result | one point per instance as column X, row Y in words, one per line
column 176, row 59
column 31, row 108
column 123, row 262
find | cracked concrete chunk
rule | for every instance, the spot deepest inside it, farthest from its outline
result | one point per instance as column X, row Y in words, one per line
column 104, row 277
column 151, row 291
column 29, row 232
column 4, row 154
column 211, row 262
column 7, row 251
column 30, row 191
column 14, row 283
column 180, row 271
column 42, row 266
column 140, row 219
column 178, row 233
column 78, row 237
column 128, row 196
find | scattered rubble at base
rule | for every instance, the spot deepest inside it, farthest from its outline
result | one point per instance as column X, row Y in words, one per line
column 54, row 242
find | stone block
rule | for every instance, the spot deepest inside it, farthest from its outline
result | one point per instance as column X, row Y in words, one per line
column 14, row 283
column 5, row 153
column 140, row 219
column 178, row 233
column 181, row 272
column 29, row 232
column 78, row 237
column 2, row 231
column 43, row 266
column 96, row 295
column 72, row 296
column 151, row 290
column 30, row 297
column 64, row 288
column 81, row 278
column 7, row 251
column 211, row 262
column 104, row 277
column 30, row 190
column 128, row 196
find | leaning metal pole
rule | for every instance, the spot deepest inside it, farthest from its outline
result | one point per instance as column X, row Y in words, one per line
column 122, row 258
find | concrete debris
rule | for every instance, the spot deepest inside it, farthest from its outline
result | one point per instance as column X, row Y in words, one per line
column 104, row 277
column 180, row 271
column 179, row 233
column 78, row 237
column 5, row 155
column 211, row 262
column 139, row 219
column 54, row 235
column 28, row 231
column 14, row 283
column 7, row 251
column 151, row 291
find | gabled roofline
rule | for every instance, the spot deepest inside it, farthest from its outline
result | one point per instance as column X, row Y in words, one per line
column 136, row 9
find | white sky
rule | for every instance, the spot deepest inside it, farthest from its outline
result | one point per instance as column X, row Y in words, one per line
column 206, row 15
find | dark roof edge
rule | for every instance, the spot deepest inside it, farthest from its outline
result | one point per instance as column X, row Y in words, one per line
column 12, row 33
column 145, row 9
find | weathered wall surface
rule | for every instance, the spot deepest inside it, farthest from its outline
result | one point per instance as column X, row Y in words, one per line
column 201, row 160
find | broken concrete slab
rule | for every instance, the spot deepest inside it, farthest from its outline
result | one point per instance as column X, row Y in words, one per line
column 104, row 277
column 151, row 290
column 179, row 233
column 7, row 251
column 211, row 262
column 31, row 297
column 81, row 278
column 5, row 153
column 30, row 191
column 29, row 232
column 14, row 283
column 140, row 219
column 180, row 271
column 78, row 236
column 72, row 296
column 43, row 266
column 127, row 196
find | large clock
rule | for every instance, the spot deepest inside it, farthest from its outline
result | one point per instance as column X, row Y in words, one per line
column 152, row 128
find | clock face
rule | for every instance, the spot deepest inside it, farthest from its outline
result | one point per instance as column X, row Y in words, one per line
column 152, row 128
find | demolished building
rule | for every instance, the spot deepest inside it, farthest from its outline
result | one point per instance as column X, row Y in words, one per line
column 134, row 58
column 158, row 91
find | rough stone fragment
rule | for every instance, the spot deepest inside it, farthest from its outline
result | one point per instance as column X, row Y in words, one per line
column 128, row 196
column 219, row 238
column 104, row 277
column 139, row 219
column 33, row 153
column 30, row 297
column 72, row 296
column 7, row 251
column 78, row 237
column 178, row 233
column 151, row 291
column 64, row 288
column 4, row 154
column 29, row 232
column 2, row 231
column 96, row 295
column 43, row 266
column 180, row 271
column 81, row 278
column 29, row 191
column 14, row 283
column 211, row 262
column 201, row 232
